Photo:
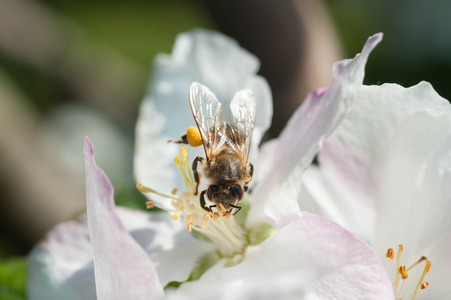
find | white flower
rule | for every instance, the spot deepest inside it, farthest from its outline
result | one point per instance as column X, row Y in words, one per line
column 385, row 175
column 276, row 252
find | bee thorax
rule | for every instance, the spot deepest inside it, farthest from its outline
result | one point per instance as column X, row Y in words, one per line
column 224, row 169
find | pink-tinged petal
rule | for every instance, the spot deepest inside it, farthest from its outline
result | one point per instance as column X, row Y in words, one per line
column 300, row 141
column 60, row 266
column 212, row 59
column 310, row 258
column 414, row 175
column 122, row 268
column 173, row 251
column 349, row 156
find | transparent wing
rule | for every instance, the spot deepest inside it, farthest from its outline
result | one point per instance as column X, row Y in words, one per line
column 240, row 127
column 208, row 115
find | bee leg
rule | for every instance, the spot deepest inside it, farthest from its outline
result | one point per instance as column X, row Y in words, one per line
column 202, row 202
column 183, row 140
column 251, row 169
column 235, row 206
column 195, row 173
column 251, row 172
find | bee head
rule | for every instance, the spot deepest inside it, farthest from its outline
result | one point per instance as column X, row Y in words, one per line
column 225, row 194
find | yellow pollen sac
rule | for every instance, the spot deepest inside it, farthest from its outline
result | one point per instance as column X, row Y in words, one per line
column 174, row 191
column 227, row 214
column 221, row 208
column 184, row 153
column 149, row 204
column 205, row 220
column 402, row 271
column 142, row 188
column 175, row 216
column 193, row 136
column 177, row 161
column 390, row 253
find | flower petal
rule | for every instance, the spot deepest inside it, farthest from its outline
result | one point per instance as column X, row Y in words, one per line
column 311, row 257
column 122, row 268
column 414, row 200
column 209, row 58
column 300, row 141
column 349, row 156
column 173, row 251
column 60, row 266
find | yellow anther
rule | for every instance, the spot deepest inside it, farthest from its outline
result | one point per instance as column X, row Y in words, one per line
column 189, row 226
column 177, row 204
column 191, row 221
column 193, row 136
column 220, row 208
column 206, row 219
column 390, row 253
column 424, row 285
column 174, row 191
column 403, row 272
column 149, row 204
column 216, row 216
column 143, row 189
column 227, row 214
column 184, row 153
column 175, row 216
column 177, row 161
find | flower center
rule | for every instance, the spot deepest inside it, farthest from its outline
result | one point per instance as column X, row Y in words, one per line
column 402, row 273
column 220, row 227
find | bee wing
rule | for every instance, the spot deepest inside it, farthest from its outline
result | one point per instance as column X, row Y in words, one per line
column 243, row 108
column 208, row 115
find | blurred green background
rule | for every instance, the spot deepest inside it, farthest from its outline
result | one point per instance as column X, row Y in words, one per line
column 75, row 68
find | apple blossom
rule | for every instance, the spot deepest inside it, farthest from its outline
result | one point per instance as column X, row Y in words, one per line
column 274, row 251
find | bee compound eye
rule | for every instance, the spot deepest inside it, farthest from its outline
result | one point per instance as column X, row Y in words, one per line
column 212, row 189
column 236, row 190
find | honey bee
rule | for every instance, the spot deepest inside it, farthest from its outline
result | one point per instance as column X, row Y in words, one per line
column 226, row 138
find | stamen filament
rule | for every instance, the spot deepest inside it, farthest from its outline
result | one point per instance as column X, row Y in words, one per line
column 398, row 263
column 419, row 261
column 420, row 282
column 146, row 189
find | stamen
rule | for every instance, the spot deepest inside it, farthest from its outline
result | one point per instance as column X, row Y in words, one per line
column 419, row 261
column 149, row 204
column 175, row 216
column 420, row 282
column 398, row 264
column 178, row 205
column 146, row 189
column 185, row 169
column 177, row 161
column 226, row 214
column 390, row 253
column 221, row 208
column 402, row 271
column 206, row 220
column 174, row 191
